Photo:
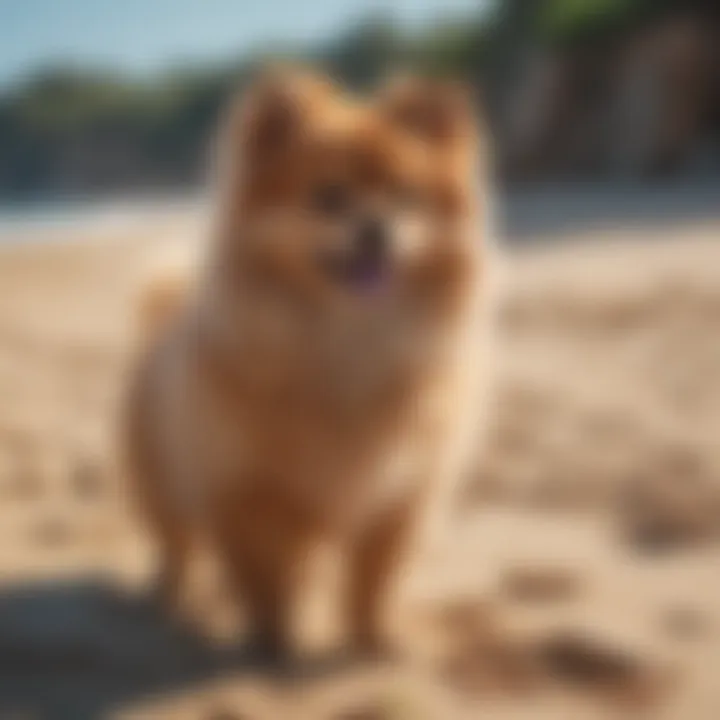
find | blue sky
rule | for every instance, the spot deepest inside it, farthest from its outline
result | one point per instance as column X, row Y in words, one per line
column 147, row 35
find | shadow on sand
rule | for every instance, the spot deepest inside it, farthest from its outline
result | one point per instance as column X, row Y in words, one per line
column 81, row 649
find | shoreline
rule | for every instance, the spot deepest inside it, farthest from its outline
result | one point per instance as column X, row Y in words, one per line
column 524, row 214
column 33, row 222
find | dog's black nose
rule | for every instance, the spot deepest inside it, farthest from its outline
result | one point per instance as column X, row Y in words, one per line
column 372, row 239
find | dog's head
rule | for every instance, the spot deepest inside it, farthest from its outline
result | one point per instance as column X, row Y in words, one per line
column 334, row 199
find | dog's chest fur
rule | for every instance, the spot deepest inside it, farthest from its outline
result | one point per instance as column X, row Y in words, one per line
column 339, row 418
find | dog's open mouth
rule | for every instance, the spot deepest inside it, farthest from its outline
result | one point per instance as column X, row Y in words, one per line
column 359, row 271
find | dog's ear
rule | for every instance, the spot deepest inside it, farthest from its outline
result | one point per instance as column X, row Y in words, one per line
column 437, row 111
column 266, row 120
column 272, row 113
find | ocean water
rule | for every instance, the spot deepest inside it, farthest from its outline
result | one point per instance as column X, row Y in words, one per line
column 546, row 210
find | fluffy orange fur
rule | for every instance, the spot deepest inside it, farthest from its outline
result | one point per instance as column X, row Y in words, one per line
column 320, row 382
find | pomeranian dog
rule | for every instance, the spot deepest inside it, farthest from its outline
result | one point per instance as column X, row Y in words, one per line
column 320, row 384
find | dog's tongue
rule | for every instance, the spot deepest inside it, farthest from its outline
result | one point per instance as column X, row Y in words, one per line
column 367, row 275
column 361, row 274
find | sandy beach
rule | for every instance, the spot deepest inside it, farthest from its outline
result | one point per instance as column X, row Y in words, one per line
column 580, row 577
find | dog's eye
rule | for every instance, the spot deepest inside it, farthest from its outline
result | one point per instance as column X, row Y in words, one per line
column 331, row 199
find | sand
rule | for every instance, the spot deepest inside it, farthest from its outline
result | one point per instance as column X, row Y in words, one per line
column 580, row 577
